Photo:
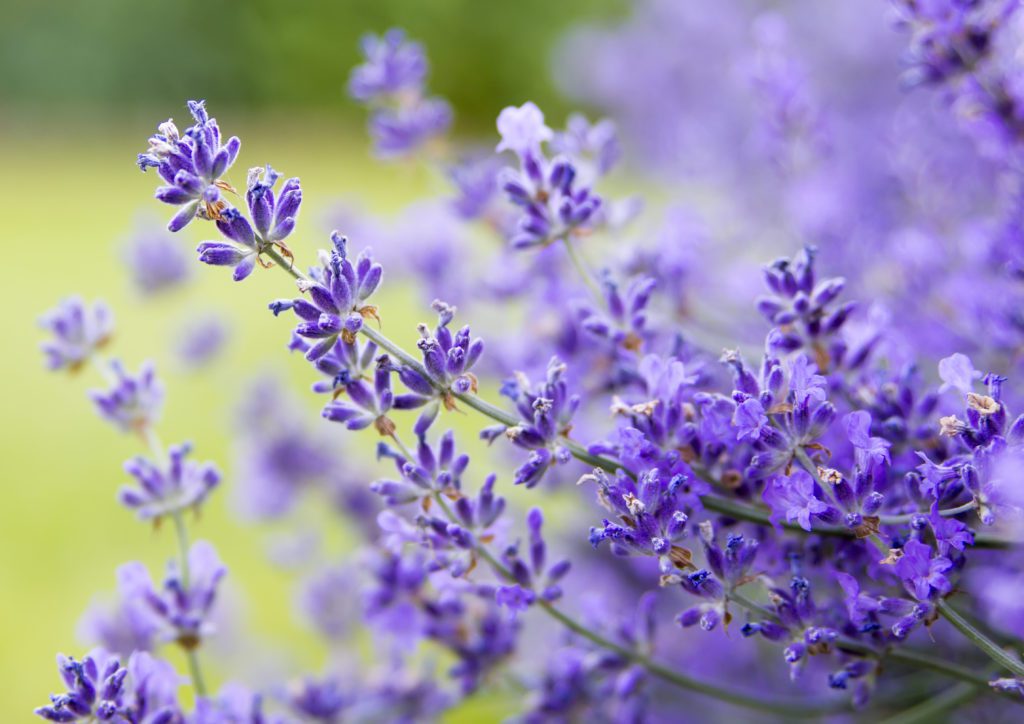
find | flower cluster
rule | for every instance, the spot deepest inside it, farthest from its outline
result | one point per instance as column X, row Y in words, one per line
column 824, row 486
column 391, row 82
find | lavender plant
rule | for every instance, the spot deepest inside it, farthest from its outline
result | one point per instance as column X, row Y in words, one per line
column 836, row 513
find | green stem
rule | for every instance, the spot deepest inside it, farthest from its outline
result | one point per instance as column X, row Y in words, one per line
column 582, row 270
column 156, row 448
column 665, row 673
column 928, row 711
column 979, row 639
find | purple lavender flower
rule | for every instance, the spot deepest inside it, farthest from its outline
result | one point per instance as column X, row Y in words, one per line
column 273, row 217
column 802, row 309
column 522, row 130
column 920, row 572
column 957, row 373
column 392, row 65
column 431, row 471
column 448, row 360
column 623, row 322
column 169, row 488
column 398, row 132
column 366, row 405
column 795, row 498
column 652, row 521
column 594, row 148
column 201, row 341
column 318, row 700
column 326, row 601
column 156, row 262
column 100, row 689
column 183, row 607
column 191, row 164
column 553, row 208
column 78, row 331
column 391, row 81
column 337, row 299
column 120, row 627
column 534, row 578
column 132, row 404
column 241, row 251
column 547, row 410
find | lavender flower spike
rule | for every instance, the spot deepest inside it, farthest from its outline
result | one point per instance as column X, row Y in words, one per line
column 338, row 294
column 161, row 491
column 182, row 609
column 132, row 404
column 78, row 331
column 191, row 163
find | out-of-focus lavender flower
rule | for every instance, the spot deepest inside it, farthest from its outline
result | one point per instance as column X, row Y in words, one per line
column 77, row 332
column 593, row 147
column 553, row 208
column 522, row 130
column 156, row 262
column 322, row 700
column 183, row 607
column 200, row 341
column 168, row 488
column 623, row 321
column 191, row 163
column 338, row 293
column 392, row 65
column 133, row 403
column 326, row 601
column 100, row 689
column 120, row 627
column 957, row 373
column 391, row 82
column 801, row 308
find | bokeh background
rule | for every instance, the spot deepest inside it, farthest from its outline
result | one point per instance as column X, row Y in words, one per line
column 81, row 86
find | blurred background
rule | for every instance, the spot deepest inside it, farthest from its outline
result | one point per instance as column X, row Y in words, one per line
column 749, row 128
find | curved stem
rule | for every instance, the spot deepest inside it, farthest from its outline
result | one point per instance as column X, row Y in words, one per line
column 979, row 639
column 665, row 673
column 582, row 270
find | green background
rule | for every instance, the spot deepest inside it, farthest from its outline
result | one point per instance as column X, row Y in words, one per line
column 82, row 85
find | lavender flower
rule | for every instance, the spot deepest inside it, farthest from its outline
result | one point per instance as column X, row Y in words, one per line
column 547, row 410
column 100, row 689
column 132, row 404
column 337, row 305
column 553, row 208
column 201, row 341
column 155, row 262
column 170, row 488
column 78, row 331
column 191, row 163
column 448, row 360
column 391, row 81
column 183, row 607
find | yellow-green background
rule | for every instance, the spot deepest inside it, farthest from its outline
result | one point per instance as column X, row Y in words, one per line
column 80, row 90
